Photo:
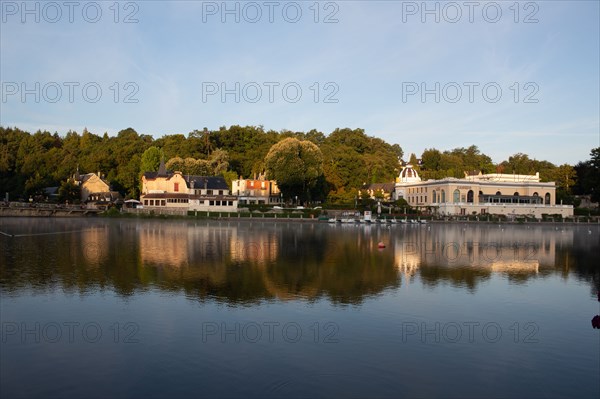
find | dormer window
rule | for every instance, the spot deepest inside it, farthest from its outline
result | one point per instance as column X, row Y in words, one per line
column 175, row 187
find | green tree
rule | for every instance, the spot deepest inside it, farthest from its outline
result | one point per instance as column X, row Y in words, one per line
column 150, row 160
column 69, row 191
column 588, row 176
column 295, row 165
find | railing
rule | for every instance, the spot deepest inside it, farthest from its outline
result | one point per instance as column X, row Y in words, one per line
column 498, row 204
column 41, row 205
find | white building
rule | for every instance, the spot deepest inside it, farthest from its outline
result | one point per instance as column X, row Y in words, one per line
column 500, row 194
column 256, row 191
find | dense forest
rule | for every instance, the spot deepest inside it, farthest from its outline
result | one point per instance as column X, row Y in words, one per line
column 348, row 159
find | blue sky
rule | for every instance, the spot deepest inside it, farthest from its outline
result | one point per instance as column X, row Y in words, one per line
column 368, row 60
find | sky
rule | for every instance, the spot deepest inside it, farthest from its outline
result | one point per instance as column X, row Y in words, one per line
column 506, row 76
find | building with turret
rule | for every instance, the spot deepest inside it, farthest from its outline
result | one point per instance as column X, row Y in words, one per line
column 165, row 189
column 481, row 194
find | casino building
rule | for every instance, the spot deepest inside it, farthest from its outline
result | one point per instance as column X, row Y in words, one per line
column 480, row 194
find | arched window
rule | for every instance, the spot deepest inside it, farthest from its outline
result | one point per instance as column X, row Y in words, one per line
column 434, row 196
column 516, row 194
column 456, row 196
column 498, row 193
column 470, row 196
column 547, row 199
column 443, row 200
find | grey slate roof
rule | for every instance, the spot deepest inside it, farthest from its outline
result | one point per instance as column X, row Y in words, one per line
column 212, row 182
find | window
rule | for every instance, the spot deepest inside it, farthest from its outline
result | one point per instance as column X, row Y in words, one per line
column 209, row 192
column 220, row 192
column 443, row 200
column 211, row 203
column 456, row 196
column 162, row 202
column 470, row 196
column 434, row 196
column 175, row 187
column 230, row 203
column 547, row 199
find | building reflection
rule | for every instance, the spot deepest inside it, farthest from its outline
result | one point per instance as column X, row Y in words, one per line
column 163, row 244
column 450, row 251
column 259, row 247
column 249, row 262
column 94, row 246
column 245, row 261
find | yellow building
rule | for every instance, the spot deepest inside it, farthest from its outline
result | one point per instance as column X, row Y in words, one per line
column 500, row 194
column 173, row 190
column 95, row 189
column 385, row 191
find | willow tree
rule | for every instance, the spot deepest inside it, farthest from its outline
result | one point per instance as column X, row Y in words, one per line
column 295, row 165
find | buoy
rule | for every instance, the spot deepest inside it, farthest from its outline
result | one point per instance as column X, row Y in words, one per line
column 381, row 245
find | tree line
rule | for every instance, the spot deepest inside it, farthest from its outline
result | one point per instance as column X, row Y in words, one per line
column 332, row 167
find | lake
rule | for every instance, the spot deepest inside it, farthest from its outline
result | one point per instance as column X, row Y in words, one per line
column 175, row 308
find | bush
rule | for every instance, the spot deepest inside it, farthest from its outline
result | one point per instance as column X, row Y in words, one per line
column 112, row 212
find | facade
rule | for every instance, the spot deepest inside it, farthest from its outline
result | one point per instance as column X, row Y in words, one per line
column 385, row 190
column 173, row 190
column 256, row 191
column 481, row 194
column 94, row 189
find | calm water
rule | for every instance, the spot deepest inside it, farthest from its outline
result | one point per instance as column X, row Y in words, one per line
column 126, row 308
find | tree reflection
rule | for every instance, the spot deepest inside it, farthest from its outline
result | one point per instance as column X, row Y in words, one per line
column 246, row 263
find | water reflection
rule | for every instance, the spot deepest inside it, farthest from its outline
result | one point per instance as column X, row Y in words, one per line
column 250, row 262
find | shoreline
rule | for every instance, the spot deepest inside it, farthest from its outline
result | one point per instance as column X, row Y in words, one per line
column 131, row 216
